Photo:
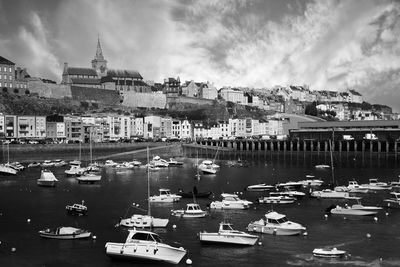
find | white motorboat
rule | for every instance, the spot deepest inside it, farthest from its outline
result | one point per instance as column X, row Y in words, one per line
column 374, row 184
column 277, row 200
column 393, row 201
column 6, row 170
column 311, row 182
column 338, row 192
column 164, row 196
column 207, row 167
column 227, row 235
column 59, row 163
column 77, row 209
column 275, row 224
column 289, row 184
column 259, row 187
column 47, row 178
column 16, row 166
column 65, row 233
column 34, row 164
column 290, row 193
column 110, row 163
column 75, row 170
column 124, row 166
column 322, row 166
column 395, row 184
column 159, row 162
column 230, row 201
column 89, row 177
column 75, row 162
column 173, row 163
column 145, row 245
column 328, row 253
column 193, row 210
column 354, row 187
column 349, row 210
column 135, row 162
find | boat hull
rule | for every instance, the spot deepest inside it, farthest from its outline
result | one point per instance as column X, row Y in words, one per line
column 228, row 238
column 228, row 206
column 274, row 229
column 45, row 183
column 353, row 212
column 270, row 200
column 65, row 236
column 332, row 253
column 185, row 214
column 149, row 252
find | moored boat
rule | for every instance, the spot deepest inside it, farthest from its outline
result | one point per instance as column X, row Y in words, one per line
column 230, row 201
column 354, row 187
column 259, row 187
column 207, row 167
column 393, row 201
column 164, row 196
column 77, row 209
column 338, row 192
column 275, row 224
column 193, row 210
column 89, row 177
column 277, row 200
column 322, row 166
column 64, row 232
column 173, row 163
column 159, row 162
column 6, row 170
column 349, row 210
column 374, row 184
column 194, row 193
column 227, row 235
column 328, row 253
column 47, row 178
column 145, row 245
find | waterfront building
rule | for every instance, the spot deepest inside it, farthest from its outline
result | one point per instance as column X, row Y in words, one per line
column 237, row 127
column 40, row 127
column 166, row 127
column 152, row 126
column 199, row 130
column 7, row 73
column 138, row 129
column 176, row 128
column 186, row 130
column 74, row 128
column 125, row 81
column 10, row 122
column 25, row 127
column 55, row 131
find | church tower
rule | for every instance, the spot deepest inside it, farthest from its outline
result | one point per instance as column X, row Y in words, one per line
column 99, row 63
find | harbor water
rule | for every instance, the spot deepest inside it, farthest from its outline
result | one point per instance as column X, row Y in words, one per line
column 26, row 208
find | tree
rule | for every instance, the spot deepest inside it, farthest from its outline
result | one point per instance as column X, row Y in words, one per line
column 311, row 109
column 5, row 90
column 27, row 92
column 16, row 91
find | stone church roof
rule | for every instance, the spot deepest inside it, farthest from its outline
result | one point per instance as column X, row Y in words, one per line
column 124, row 74
column 81, row 71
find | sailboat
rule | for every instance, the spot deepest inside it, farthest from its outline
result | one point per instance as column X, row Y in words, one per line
column 338, row 191
column 90, row 175
column 197, row 166
column 208, row 166
column 144, row 221
column 76, row 169
column 5, row 169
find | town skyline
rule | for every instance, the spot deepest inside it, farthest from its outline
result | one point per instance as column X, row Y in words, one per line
column 329, row 45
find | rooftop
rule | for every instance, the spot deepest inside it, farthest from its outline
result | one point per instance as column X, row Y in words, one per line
column 6, row 61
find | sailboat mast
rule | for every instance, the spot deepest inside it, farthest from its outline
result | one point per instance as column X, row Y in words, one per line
column 148, row 183
column 8, row 153
column 90, row 144
column 332, row 166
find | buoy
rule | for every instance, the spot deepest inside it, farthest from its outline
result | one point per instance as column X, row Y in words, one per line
column 137, row 205
column 94, row 237
column 387, row 213
column 375, row 219
column 344, row 218
column 380, row 259
column 13, row 249
column 305, row 234
column 259, row 243
column 29, row 220
column 368, row 235
column 255, row 208
column 188, row 261
column 174, row 226
column 298, row 204
column 326, row 216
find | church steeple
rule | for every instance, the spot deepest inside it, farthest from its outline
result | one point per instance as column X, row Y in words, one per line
column 99, row 63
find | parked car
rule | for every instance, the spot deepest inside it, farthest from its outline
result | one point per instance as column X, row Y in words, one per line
column 348, row 137
column 370, row 136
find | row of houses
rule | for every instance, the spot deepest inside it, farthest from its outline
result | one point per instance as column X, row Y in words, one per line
column 102, row 128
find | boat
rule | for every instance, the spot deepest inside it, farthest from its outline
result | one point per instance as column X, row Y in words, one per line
column 277, row 200
column 88, row 177
column 173, row 162
column 259, row 187
column 135, row 162
column 47, row 163
column 75, row 170
column 47, row 178
column 164, row 196
column 145, row 245
column 395, row 184
column 6, row 170
column 65, row 232
column 393, row 201
column 144, row 221
column 77, row 209
column 338, row 192
column 75, row 162
column 311, row 182
column 374, row 184
column 110, row 163
column 124, row 166
column 159, row 162
column 194, row 193
column 289, row 184
column 34, row 164
column 322, row 166
column 289, row 193
column 354, row 187
column 193, row 210
column 349, row 210
column 275, row 224
column 16, row 166
column 207, row 167
column 230, row 201
column 59, row 163
column 227, row 235
column 329, row 253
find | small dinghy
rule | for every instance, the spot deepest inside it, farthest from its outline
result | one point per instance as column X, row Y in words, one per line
column 328, row 253
column 77, row 209
column 65, row 232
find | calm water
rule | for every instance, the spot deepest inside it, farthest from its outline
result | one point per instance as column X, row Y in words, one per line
column 22, row 199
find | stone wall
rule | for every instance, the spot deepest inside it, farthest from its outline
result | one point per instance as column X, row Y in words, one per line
column 49, row 90
column 146, row 100
column 102, row 96
column 171, row 101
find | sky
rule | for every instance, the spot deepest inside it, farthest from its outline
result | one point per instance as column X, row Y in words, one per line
column 327, row 45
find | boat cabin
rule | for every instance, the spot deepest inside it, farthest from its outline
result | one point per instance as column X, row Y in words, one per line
column 225, row 227
column 275, row 218
column 164, row 192
column 193, row 207
column 137, row 236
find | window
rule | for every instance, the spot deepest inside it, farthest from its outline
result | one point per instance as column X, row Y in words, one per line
column 5, row 69
column 0, row 76
column 9, row 69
